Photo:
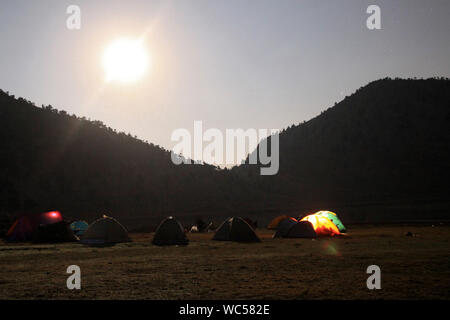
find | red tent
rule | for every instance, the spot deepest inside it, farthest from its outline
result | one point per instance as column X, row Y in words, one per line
column 25, row 227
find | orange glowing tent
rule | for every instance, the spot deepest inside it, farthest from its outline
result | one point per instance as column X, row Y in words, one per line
column 322, row 225
column 334, row 218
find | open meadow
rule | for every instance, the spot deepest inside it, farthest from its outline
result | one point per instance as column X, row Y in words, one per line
column 412, row 267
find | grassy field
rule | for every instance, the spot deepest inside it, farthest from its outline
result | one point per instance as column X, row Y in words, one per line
column 412, row 267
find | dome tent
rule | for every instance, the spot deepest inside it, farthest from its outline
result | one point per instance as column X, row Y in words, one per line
column 170, row 232
column 283, row 227
column 290, row 228
column 275, row 221
column 334, row 218
column 103, row 231
column 322, row 225
column 235, row 229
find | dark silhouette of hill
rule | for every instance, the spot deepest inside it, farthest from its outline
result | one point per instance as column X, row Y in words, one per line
column 383, row 152
column 52, row 160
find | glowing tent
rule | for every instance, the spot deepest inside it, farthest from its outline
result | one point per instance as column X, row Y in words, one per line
column 334, row 218
column 322, row 225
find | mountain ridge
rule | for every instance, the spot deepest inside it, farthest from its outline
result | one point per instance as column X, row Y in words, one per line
column 338, row 159
column 391, row 129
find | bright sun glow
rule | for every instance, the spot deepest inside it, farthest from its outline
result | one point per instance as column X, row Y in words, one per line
column 125, row 60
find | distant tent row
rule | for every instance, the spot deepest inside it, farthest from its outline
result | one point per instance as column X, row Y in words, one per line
column 321, row 223
column 51, row 227
column 170, row 232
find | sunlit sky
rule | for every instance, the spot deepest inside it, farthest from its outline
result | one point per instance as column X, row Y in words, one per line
column 231, row 64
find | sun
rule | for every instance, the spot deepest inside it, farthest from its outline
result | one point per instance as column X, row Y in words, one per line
column 125, row 60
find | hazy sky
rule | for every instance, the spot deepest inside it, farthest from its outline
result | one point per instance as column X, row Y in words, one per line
column 231, row 64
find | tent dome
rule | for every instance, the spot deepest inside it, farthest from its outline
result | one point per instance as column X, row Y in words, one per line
column 105, row 230
column 334, row 218
column 275, row 221
column 322, row 225
column 235, row 229
column 290, row 228
column 170, row 232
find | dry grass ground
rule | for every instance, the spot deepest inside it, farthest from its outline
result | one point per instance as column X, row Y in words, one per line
column 416, row 267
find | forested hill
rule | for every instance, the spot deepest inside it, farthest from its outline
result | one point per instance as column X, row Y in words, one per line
column 384, row 151
column 381, row 154
column 52, row 160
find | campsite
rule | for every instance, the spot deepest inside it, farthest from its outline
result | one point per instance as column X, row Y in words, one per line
column 413, row 259
column 225, row 151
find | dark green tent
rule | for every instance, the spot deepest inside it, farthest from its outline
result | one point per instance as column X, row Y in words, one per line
column 235, row 229
column 170, row 232
column 105, row 231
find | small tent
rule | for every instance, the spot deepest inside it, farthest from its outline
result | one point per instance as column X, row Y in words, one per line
column 290, row 228
column 170, row 232
column 334, row 218
column 235, row 229
column 274, row 223
column 322, row 225
column 105, row 231
column 33, row 227
column 79, row 227
column 284, row 226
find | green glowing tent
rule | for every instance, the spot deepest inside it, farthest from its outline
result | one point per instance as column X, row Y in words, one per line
column 334, row 218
